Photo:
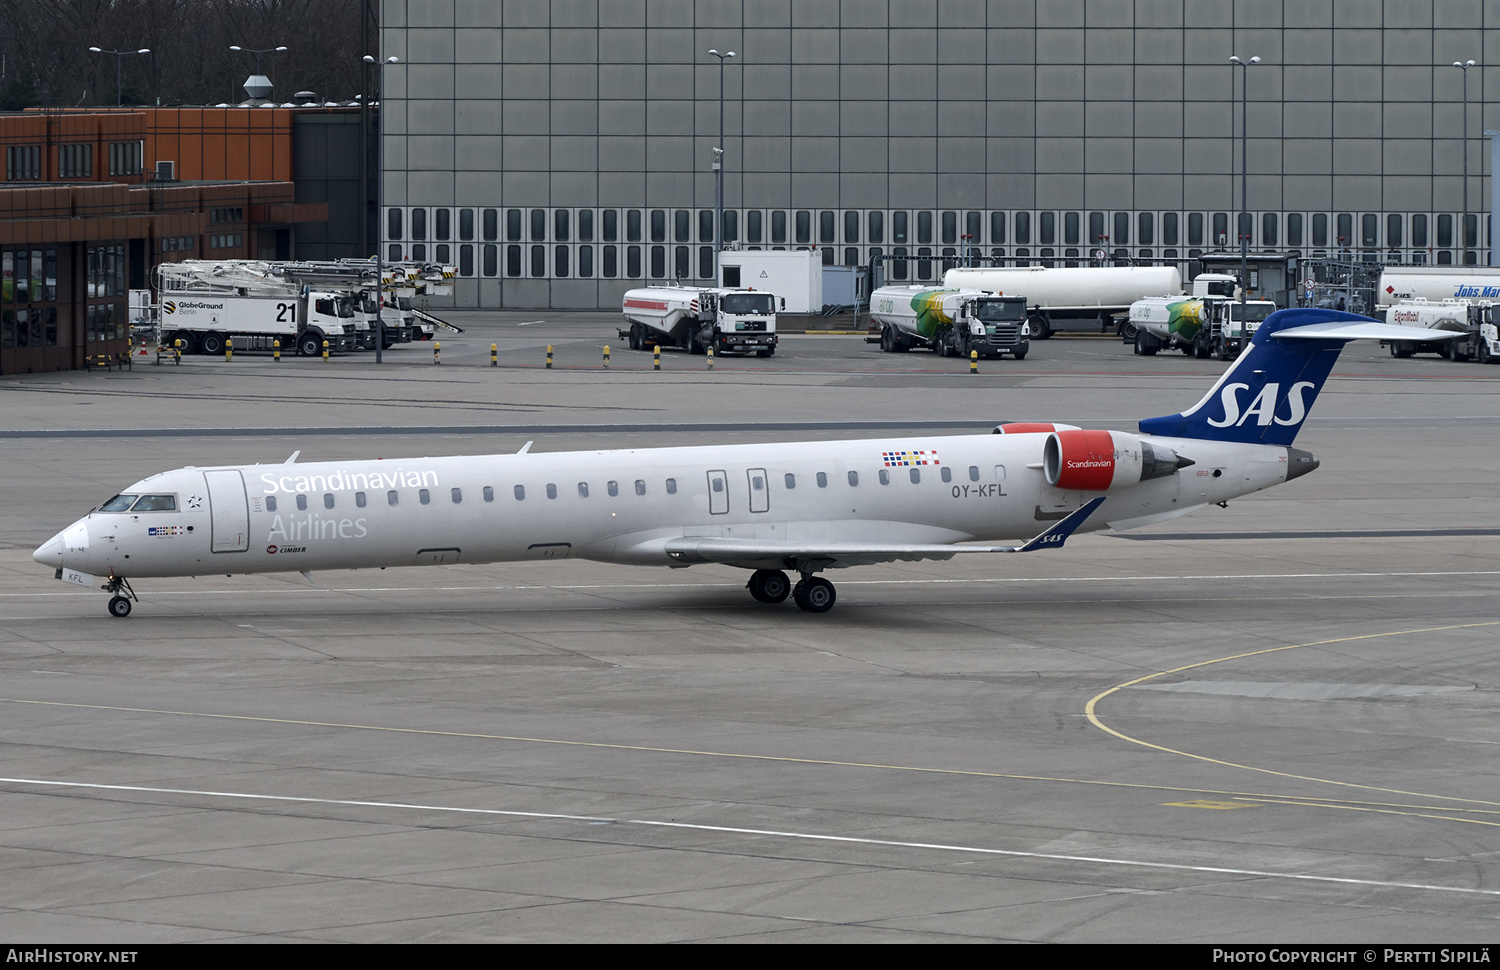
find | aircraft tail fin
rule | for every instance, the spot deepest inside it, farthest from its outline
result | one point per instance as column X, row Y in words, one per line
column 1266, row 394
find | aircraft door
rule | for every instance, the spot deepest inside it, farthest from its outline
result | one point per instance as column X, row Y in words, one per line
column 718, row 493
column 760, row 492
column 229, row 511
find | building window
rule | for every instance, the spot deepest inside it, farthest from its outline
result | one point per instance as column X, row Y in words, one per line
column 125, row 157
column 75, row 161
column 23, row 163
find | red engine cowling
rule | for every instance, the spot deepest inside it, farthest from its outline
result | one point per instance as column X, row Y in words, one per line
column 1080, row 460
column 1032, row 427
column 1095, row 461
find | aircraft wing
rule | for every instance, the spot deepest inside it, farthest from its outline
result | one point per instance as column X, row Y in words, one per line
column 785, row 553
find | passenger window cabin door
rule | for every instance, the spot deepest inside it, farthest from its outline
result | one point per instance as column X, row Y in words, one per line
column 718, row 493
column 760, row 494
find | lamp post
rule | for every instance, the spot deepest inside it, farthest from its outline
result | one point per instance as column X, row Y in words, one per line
column 257, row 53
column 719, row 174
column 119, row 71
column 1244, row 176
column 1464, row 232
column 379, row 214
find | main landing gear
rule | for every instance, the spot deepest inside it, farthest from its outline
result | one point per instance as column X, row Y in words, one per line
column 813, row 593
column 119, row 603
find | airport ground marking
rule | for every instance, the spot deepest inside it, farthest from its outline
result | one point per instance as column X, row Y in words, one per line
column 1090, row 711
column 768, row 833
column 1311, row 801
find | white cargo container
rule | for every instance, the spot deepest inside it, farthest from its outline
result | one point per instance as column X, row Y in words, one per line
column 1086, row 293
column 794, row 275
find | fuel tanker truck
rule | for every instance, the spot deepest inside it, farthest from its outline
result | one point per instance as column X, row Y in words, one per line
column 1209, row 322
column 952, row 322
column 1096, row 294
column 696, row 319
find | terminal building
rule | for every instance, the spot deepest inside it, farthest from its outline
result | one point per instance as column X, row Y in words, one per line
column 560, row 152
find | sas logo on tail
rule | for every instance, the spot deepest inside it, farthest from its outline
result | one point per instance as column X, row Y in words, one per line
column 1263, row 407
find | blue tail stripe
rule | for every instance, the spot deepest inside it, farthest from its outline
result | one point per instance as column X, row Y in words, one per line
column 1266, row 395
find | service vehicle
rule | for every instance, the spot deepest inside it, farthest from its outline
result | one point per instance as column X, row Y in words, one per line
column 952, row 322
column 1408, row 284
column 204, row 305
column 1096, row 294
column 1209, row 322
column 1447, row 315
column 696, row 319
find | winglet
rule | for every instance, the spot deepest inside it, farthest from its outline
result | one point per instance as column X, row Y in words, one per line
column 1054, row 537
column 293, row 457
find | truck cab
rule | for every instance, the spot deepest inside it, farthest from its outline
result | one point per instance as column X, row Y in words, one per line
column 746, row 320
column 992, row 326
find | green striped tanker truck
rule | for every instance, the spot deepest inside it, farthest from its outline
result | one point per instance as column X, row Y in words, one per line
column 951, row 322
column 1210, row 322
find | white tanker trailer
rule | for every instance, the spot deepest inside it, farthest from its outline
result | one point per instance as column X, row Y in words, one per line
column 1092, row 293
column 1434, row 284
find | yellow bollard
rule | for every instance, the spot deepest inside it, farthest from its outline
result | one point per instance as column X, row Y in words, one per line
column 606, row 356
column 276, row 351
column 229, row 348
column 177, row 351
column 437, row 352
column 494, row 355
column 710, row 358
column 656, row 358
column 325, row 350
column 973, row 362
column 549, row 356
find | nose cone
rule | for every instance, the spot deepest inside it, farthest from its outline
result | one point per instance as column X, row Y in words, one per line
column 50, row 553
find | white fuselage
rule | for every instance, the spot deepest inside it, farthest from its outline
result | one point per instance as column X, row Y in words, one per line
column 624, row 506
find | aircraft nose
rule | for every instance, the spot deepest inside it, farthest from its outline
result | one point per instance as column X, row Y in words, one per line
column 50, row 553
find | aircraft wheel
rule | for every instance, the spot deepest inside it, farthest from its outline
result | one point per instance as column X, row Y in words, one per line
column 815, row 595
column 769, row 585
column 119, row 606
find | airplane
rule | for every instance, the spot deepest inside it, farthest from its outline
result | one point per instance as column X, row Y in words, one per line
column 801, row 507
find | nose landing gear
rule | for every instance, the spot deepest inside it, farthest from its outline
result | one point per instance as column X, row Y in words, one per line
column 120, row 602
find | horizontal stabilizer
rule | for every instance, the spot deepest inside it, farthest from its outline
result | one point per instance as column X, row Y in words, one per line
column 1364, row 331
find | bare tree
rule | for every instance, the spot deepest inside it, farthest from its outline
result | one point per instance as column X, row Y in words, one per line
column 45, row 59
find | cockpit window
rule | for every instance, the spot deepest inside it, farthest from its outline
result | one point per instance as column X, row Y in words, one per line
column 155, row 503
column 120, row 503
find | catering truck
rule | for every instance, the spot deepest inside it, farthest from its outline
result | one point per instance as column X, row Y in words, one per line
column 742, row 320
column 1209, row 321
column 952, row 322
column 206, row 304
column 1087, row 293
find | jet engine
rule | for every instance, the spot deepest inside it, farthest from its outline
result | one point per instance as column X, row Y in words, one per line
column 1032, row 427
column 1095, row 461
